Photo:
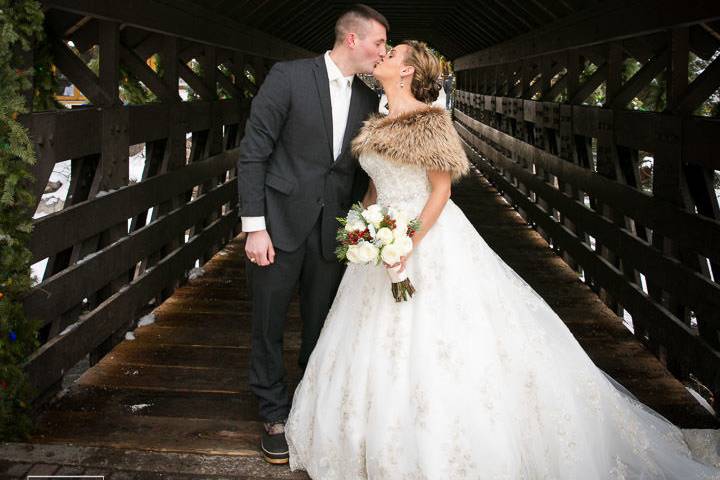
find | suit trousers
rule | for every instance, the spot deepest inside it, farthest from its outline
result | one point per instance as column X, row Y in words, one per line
column 271, row 288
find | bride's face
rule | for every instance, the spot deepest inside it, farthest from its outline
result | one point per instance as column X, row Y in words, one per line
column 392, row 68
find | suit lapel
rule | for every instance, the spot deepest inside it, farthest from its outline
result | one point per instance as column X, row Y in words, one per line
column 323, row 85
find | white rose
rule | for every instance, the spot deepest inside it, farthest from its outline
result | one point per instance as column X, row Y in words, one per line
column 404, row 244
column 371, row 230
column 391, row 254
column 355, row 225
column 353, row 254
column 385, row 236
column 367, row 252
column 373, row 214
column 400, row 231
column 400, row 217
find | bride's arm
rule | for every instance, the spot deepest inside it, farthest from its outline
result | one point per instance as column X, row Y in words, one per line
column 370, row 195
column 440, row 188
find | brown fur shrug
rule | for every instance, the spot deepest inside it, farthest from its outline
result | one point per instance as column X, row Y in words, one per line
column 426, row 138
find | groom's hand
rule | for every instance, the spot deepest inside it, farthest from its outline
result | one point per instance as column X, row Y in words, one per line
column 259, row 248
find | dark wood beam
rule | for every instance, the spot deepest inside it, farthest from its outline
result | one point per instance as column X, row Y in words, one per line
column 79, row 74
column 146, row 75
column 613, row 20
column 638, row 81
column 184, row 19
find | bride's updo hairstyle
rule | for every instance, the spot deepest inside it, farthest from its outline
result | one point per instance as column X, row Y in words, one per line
column 426, row 82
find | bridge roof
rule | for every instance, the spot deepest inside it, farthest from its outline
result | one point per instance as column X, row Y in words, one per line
column 453, row 27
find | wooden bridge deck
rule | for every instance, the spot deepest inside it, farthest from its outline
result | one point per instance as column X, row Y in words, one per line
column 186, row 376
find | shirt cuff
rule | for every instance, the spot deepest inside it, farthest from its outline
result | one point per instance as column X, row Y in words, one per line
column 252, row 224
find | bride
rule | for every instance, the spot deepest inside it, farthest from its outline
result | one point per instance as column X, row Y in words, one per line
column 475, row 376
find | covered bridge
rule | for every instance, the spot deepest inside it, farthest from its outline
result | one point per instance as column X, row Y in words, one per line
column 592, row 121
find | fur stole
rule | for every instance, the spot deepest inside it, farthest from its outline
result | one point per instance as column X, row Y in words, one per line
column 426, row 138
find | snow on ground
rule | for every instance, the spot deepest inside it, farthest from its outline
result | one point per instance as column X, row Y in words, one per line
column 195, row 273
column 137, row 165
column 136, row 408
column 129, row 336
column 54, row 201
column 148, row 319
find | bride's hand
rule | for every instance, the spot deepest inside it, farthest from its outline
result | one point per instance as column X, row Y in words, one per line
column 402, row 263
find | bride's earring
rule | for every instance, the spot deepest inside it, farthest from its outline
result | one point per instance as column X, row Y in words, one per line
column 402, row 84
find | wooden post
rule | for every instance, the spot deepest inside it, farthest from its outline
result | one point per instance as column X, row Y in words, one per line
column 113, row 171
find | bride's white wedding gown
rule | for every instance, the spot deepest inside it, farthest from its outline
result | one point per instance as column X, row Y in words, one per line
column 475, row 377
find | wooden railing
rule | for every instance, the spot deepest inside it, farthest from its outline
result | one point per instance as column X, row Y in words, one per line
column 651, row 249
column 109, row 259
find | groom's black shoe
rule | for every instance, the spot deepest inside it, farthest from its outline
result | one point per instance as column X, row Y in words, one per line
column 274, row 445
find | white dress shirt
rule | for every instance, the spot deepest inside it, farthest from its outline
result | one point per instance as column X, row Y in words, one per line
column 340, row 93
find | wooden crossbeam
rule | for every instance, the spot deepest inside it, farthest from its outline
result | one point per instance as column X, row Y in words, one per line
column 700, row 89
column 638, row 81
column 183, row 19
column 237, row 68
column 145, row 74
column 196, row 83
column 612, row 20
column 79, row 74
column 590, row 85
column 227, row 84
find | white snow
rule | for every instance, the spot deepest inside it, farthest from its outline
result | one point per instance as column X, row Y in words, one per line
column 137, row 165
column 628, row 321
column 148, row 319
column 195, row 273
column 129, row 336
column 54, row 201
column 136, row 408
column 38, row 270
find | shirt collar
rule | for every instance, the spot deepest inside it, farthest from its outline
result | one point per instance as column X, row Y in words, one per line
column 334, row 72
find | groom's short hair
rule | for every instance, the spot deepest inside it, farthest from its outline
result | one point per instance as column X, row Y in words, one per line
column 352, row 18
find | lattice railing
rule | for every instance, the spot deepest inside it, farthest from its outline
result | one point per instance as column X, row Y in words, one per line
column 117, row 248
column 627, row 197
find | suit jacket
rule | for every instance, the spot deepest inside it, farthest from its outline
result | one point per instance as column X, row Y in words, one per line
column 286, row 171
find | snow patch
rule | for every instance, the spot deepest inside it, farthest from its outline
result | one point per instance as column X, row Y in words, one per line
column 102, row 193
column 129, row 336
column 148, row 319
column 137, row 165
column 38, row 270
column 195, row 273
column 54, row 201
column 136, row 408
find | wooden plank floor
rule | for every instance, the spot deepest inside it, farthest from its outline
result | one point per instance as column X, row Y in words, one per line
column 189, row 368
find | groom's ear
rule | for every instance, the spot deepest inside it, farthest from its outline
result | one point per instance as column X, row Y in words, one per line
column 351, row 40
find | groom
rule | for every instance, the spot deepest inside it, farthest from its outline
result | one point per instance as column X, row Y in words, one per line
column 295, row 175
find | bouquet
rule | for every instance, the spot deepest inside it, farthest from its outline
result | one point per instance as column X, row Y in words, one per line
column 378, row 234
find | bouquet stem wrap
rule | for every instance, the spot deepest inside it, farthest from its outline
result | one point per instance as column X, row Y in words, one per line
column 401, row 286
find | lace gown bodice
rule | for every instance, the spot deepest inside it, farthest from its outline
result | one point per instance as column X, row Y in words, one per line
column 401, row 186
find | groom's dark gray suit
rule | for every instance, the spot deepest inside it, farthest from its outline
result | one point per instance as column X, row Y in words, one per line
column 287, row 173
